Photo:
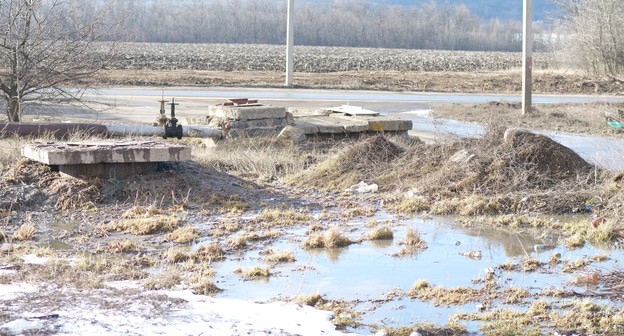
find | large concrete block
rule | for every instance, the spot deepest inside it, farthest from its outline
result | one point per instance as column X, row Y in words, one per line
column 331, row 125
column 105, row 151
column 247, row 112
column 108, row 170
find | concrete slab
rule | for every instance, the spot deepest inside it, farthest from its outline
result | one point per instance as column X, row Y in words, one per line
column 330, row 125
column 105, row 151
column 249, row 112
column 387, row 124
column 336, row 123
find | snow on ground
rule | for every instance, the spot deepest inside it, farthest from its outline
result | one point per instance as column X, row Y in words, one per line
column 114, row 311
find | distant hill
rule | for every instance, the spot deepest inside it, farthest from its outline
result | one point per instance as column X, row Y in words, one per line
column 487, row 9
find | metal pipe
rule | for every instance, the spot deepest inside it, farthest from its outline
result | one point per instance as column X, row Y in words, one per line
column 59, row 130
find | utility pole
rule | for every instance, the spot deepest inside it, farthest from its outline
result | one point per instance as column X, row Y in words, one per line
column 289, row 42
column 527, row 57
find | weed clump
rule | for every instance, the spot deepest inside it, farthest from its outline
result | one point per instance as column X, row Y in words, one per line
column 530, row 264
column 123, row 246
column 359, row 162
column 516, row 173
column 166, row 281
column 279, row 217
column 380, row 233
column 25, row 232
column 209, row 253
column 184, row 235
column 279, row 256
column 139, row 211
column 176, row 255
column 309, row 300
column 254, row 272
column 446, row 296
column 146, row 226
column 331, row 239
column 411, row 243
column 205, row 286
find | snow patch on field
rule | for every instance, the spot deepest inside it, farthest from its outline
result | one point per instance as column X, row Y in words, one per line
column 129, row 311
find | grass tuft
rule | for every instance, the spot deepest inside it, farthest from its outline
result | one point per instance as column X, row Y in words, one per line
column 380, row 233
column 184, row 234
column 331, row 239
column 25, row 232
column 255, row 272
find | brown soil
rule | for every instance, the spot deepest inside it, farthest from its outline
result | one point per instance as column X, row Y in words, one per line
column 505, row 81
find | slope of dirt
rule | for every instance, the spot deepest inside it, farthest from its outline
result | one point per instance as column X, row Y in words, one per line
column 528, row 172
column 360, row 161
column 34, row 186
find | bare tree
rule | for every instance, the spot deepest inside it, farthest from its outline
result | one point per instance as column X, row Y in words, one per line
column 596, row 29
column 47, row 49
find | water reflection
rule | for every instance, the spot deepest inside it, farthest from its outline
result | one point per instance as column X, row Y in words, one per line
column 333, row 254
column 368, row 271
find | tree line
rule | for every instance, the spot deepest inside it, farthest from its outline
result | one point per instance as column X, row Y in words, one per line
column 346, row 23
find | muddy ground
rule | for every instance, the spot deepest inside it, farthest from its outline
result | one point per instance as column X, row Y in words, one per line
column 173, row 228
column 249, row 195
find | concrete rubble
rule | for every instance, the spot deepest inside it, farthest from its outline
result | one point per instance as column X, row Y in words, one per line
column 249, row 117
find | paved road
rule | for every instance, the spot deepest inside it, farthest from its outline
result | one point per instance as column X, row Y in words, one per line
column 140, row 105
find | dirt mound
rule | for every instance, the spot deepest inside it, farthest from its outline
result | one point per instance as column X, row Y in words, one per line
column 543, row 155
column 362, row 161
column 185, row 184
column 521, row 172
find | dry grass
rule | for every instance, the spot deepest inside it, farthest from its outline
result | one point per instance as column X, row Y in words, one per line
column 139, row 211
column 412, row 243
column 282, row 217
column 145, row 226
column 209, row 253
column 205, row 286
column 73, row 193
column 237, row 243
column 279, row 256
column 358, row 162
column 184, row 234
column 176, row 255
column 446, row 296
column 309, row 300
column 331, row 239
column 123, row 246
column 575, row 265
column 25, row 232
column 530, row 264
column 167, row 280
column 10, row 152
column 559, row 117
column 254, row 272
column 254, row 157
column 577, row 316
column 380, row 233
column 412, row 238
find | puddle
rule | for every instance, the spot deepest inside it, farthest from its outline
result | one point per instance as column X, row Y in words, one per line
column 368, row 272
